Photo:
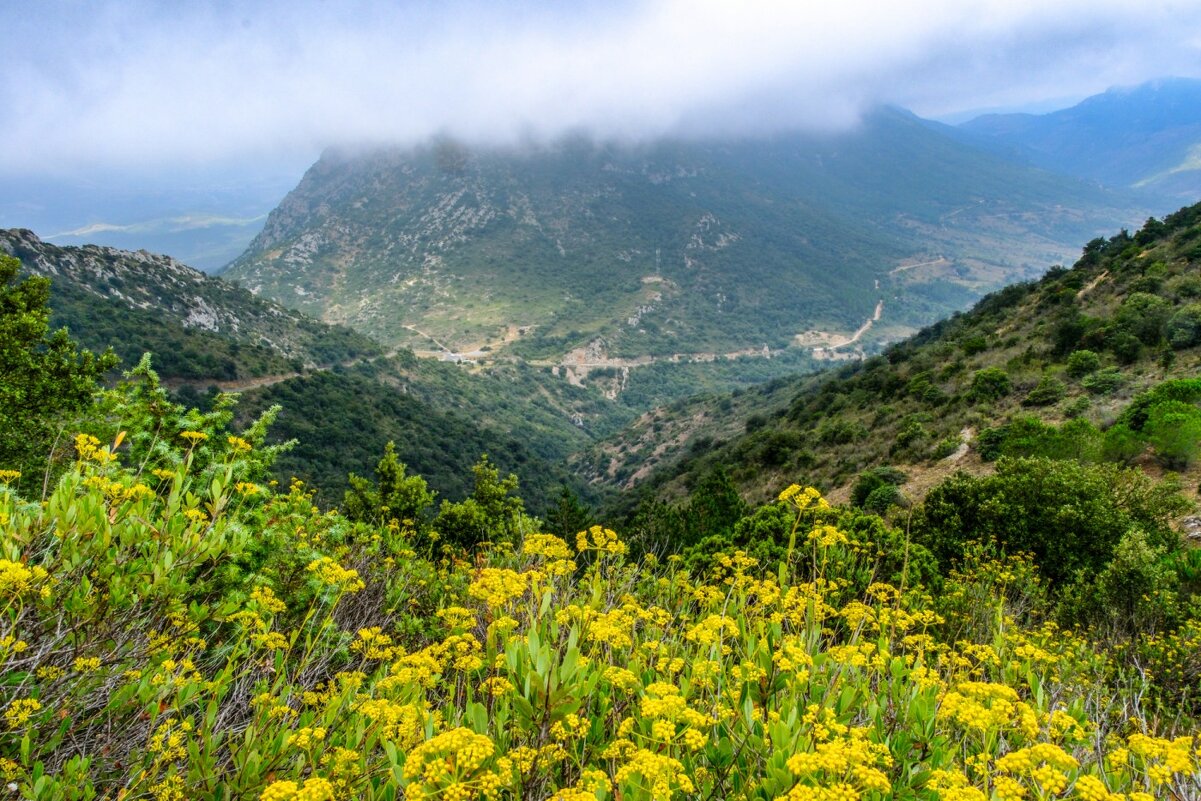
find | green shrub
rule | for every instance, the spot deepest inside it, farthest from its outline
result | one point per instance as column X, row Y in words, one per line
column 1121, row 444
column 990, row 443
column 1077, row 407
column 1144, row 315
column 1049, row 390
column 1104, row 382
column 1125, row 346
column 779, row 447
column 883, row 498
column 989, row 384
column 1184, row 327
column 871, row 480
column 911, row 431
column 1174, row 429
column 1136, row 594
column 395, row 498
column 1070, row 516
column 973, row 345
column 840, row 432
column 1082, row 362
column 945, row 447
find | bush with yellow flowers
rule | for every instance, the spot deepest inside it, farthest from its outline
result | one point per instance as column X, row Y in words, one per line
column 173, row 627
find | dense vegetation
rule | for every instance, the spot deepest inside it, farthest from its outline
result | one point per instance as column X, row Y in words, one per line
column 45, row 381
column 342, row 421
column 174, row 627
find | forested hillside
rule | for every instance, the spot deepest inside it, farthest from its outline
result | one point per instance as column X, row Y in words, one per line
column 1066, row 366
column 344, row 397
column 197, row 326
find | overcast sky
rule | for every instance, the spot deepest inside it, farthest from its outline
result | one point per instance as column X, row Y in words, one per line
column 128, row 83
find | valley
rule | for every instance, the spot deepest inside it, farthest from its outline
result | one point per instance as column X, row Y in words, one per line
column 644, row 401
column 581, row 296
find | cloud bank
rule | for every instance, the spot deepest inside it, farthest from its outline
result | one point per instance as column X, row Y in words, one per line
column 140, row 83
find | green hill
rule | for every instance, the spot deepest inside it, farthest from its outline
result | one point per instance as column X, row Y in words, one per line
column 1050, row 368
column 198, row 327
column 604, row 254
column 441, row 417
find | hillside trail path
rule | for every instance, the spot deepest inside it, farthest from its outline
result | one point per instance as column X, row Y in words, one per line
column 580, row 362
column 965, row 442
column 867, row 325
column 906, row 267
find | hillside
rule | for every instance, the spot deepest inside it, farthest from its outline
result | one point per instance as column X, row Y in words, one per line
column 441, row 417
column 603, row 255
column 187, row 629
column 343, row 398
column 1030, row 369
column 1146, row 137
column 199, row 327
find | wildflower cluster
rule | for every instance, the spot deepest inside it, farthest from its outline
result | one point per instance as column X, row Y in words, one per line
column 222, row 642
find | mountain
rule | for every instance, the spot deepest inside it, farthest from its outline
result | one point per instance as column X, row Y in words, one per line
column 588, row 255
column 198, row 326
column 1043, row 367
column 1147, row 137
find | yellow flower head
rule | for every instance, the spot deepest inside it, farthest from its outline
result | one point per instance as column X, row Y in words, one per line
column 804, row 498
column 20, row 711
column 600, row 539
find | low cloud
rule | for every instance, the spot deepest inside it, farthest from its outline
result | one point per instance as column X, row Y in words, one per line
column 135, row 83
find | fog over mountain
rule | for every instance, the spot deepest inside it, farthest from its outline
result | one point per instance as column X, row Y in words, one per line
column 102, row 99
column 143, row 81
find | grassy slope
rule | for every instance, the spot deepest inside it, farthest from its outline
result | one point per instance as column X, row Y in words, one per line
column 825, row 429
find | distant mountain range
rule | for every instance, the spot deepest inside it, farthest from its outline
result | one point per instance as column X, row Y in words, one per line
column 1146, row 137
column 598, row 254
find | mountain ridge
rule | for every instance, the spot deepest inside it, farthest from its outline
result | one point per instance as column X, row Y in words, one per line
column 1146, row 137
column 201, row 326
column 664, row 248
